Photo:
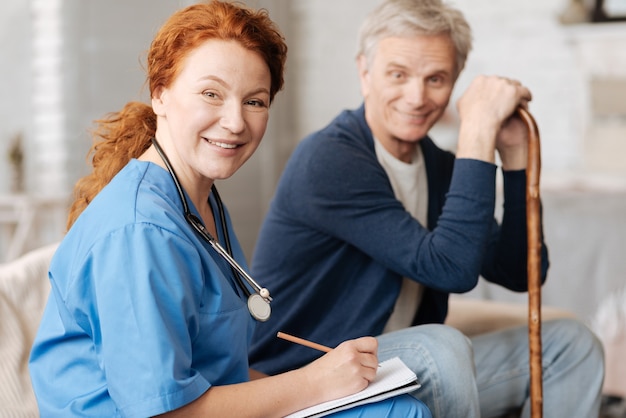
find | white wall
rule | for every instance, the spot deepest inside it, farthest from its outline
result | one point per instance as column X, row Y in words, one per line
column 14, row 82
column 64, row 64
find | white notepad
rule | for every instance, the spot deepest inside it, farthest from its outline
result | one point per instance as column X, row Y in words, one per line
column 392, row 378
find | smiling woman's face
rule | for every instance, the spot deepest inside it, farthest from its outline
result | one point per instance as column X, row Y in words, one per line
column 213, row 116
column 406, row 87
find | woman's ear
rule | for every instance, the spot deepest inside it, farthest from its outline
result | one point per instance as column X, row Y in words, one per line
column 158, row 101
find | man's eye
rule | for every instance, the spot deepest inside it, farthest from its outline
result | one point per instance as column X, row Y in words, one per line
column 436, row 80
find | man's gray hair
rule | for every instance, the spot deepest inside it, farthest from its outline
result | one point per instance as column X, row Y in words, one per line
column 402, row 18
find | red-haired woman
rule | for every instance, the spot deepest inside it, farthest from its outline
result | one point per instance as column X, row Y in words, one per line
column 149, row 314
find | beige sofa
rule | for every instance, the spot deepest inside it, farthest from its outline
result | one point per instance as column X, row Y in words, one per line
column 477, row 316
column 24, row 288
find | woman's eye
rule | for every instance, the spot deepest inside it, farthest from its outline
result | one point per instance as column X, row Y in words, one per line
column 209, row 94
column 256, row 103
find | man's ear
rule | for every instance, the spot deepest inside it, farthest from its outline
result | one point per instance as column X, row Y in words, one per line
column 363, row 67
column 158, row 101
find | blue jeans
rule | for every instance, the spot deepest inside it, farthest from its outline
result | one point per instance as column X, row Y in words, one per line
column 488, row 375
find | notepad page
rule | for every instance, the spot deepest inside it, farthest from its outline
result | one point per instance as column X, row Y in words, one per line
column 391, row 375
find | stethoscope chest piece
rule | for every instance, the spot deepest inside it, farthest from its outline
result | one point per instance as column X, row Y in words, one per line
column 259, row 308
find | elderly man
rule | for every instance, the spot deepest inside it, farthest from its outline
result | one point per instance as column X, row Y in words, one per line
column 373, row 226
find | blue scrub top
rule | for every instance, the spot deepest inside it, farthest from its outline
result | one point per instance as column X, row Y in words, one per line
column 143, row 316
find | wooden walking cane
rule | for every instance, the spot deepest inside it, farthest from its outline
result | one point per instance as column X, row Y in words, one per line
column 533, row 226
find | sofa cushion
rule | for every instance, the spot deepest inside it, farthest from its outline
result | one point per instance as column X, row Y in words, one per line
column 24, row 289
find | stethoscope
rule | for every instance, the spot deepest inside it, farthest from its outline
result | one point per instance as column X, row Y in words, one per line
column 259, row 301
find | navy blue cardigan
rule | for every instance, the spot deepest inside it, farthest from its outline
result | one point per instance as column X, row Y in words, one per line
column 336, row 242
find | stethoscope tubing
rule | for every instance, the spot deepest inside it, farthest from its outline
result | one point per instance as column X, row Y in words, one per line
column 225, row 254
column 197, row 224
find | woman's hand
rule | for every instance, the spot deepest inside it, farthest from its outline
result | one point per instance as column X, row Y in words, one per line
column 347, row 369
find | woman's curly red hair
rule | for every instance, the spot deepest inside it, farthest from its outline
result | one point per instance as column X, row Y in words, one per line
column 126, row 134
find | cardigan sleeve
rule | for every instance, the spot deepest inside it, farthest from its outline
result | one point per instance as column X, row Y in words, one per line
column 346, row 194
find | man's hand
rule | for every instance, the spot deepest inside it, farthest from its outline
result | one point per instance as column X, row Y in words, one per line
column 485, row 109
column 512, row 144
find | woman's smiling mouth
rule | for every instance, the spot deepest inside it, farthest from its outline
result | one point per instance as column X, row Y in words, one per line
column 222, row 144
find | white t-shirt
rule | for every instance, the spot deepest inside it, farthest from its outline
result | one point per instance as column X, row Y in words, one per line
column 410, row 185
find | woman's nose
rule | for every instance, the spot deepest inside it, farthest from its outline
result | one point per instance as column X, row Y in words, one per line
column 232, row 118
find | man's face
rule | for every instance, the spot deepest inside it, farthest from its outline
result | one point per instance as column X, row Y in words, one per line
column 406, row 88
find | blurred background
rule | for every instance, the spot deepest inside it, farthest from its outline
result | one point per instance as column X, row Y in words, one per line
column 68, row 62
